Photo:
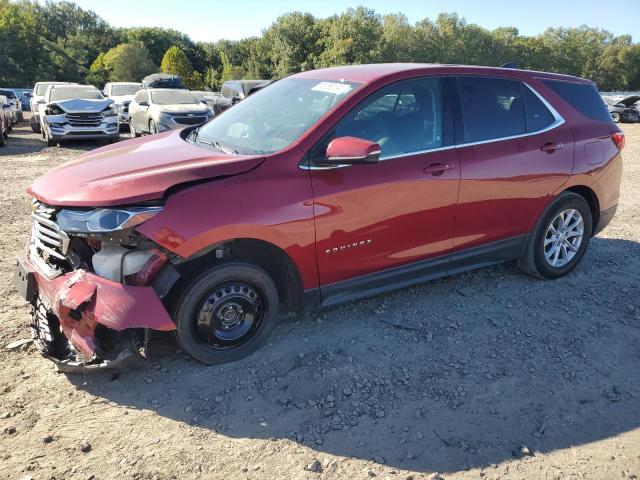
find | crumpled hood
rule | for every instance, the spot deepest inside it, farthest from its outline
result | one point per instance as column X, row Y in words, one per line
column 135, row 170
column 188, row 108
column 82, row 105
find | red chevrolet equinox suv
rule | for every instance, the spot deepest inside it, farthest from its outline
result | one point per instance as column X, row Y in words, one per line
column 324, row 187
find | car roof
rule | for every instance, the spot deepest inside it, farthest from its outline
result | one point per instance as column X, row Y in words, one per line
column 56, row 83
column 123, row 83
column 65, row 86
column 369, row 72
column 167, row 90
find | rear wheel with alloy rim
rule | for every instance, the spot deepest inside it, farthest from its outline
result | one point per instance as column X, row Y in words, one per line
column 226, row 313
column 615, row 116
column 560, row 238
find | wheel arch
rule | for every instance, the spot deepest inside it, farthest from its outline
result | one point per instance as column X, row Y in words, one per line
column 592, row 200
column 265, row 255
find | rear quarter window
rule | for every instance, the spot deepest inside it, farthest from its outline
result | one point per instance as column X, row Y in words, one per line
column 583, row 97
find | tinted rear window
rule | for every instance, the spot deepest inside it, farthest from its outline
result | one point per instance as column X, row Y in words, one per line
column 584, row 97
column 537, row 114
column 491, row 108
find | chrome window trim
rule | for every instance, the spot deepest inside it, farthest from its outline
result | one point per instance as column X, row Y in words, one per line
column 558, row 120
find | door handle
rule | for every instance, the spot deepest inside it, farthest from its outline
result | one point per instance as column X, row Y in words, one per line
column 437, row 169
column 551, row 147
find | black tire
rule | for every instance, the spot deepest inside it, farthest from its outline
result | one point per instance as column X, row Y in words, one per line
column 35, row 126
column 218, row 289
column 132, row 130
column 153, row 128
column 2, row 137
column 533, row 260
column 615, row 116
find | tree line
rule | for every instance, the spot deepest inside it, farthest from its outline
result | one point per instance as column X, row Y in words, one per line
column 61, row 41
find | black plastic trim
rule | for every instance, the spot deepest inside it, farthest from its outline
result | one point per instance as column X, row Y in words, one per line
column 605, row 218
column 425, row 270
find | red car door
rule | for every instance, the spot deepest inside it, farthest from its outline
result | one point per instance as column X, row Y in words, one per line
column 376, row 216
column 514, row 152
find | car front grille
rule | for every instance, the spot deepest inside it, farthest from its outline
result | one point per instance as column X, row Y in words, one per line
column 195, row 120
column 48, row 242
column 84, row 119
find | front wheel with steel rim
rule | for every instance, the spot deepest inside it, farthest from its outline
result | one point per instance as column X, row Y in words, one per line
column 226, row 313
column 560, row 237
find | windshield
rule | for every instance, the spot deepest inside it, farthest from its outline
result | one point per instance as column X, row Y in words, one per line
column 276, row 116
column 173, row 97
column 41, row 89
column 117, row 90
column 8, row 93
column 74, row 93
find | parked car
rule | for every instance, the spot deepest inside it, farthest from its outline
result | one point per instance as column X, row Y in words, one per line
column 37, row 99
column 122, row 94
column 234, row 91
column 74, row 112
column 15, row 103
column 624, row 110
column 25, row 99
column 324, row 187
column 208, row 98
column 163, row 80
column 4, row 125
column 161, row 109
column 7, row 115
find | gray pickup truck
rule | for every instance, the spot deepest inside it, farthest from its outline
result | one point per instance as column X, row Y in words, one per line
column 234, row 91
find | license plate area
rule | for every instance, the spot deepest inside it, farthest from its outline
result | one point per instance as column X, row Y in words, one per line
column 24, row 281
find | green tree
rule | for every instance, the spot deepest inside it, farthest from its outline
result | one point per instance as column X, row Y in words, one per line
column 175, row 62
column 351, row 37
column 293, row 42
column 129, row 62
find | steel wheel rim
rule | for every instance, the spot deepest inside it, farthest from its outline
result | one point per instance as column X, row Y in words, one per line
column 563, row 238
column 228, row 316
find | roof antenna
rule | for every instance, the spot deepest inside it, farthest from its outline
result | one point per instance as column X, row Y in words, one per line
column 510, row 65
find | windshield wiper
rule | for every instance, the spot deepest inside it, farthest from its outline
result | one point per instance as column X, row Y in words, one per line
column 219, row 146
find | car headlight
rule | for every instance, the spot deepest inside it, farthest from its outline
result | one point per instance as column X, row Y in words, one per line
column 110, row 111
column 103, row 220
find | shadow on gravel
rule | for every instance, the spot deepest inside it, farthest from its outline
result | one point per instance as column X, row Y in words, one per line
column 453, row 374
column 23, row 141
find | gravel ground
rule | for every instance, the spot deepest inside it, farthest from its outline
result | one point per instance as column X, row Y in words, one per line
column 489, row 374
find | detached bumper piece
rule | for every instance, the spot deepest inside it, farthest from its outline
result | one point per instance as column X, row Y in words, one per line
column 83, row 322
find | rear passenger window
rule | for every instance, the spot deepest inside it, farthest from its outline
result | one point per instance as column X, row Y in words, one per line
column 491, row 108
column 538, row 115
column 584, row 97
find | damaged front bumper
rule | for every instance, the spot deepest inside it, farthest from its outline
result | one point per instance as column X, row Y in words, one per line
column 84, row 322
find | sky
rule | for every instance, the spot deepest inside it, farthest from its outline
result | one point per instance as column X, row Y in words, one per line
column 211, row 20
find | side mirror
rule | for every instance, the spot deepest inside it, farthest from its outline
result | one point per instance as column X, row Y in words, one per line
column 352, row 150
column 143, row 104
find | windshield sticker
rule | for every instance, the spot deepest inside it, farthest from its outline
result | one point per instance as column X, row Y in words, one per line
column 335, row 88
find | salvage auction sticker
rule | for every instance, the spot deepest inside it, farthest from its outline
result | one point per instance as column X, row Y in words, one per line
column 335, row 88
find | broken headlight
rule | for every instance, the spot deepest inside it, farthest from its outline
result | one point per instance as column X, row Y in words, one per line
column 103, row 220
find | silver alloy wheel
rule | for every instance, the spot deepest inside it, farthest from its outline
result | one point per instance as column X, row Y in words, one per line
column 563, row 237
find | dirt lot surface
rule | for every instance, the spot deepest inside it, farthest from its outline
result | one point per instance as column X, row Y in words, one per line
column 490, row 374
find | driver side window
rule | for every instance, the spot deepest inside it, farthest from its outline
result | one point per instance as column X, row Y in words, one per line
column 402, row 118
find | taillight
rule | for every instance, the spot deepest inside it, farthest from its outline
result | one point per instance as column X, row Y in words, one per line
column 618, row 139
